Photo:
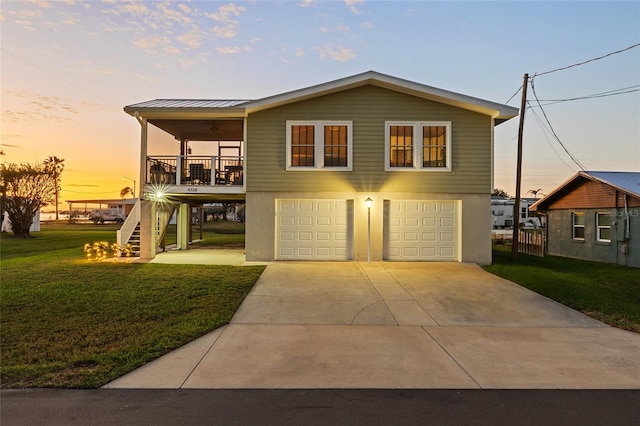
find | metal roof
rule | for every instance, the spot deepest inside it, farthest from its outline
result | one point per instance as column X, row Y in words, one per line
column 625, row 181
column 498, row 111
column 189, row 103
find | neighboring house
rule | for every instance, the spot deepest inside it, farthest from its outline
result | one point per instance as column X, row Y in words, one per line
column 595, row 216
column 305, row 162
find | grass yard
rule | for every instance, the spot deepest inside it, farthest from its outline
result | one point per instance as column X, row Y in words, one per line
column 609, row 293
column 67, row 322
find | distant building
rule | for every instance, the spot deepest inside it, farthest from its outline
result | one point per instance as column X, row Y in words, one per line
column 502, row 213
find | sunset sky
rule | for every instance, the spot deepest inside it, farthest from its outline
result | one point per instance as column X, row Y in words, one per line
column 69, row 67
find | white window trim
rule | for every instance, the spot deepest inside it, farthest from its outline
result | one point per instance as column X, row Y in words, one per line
column 417, row 150
column 573, row 225
column 319, row 145
column 599, row 227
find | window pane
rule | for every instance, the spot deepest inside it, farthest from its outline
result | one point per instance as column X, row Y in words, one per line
column 604, row 234
column 604, row 219
column 434, row 146
column 302, row 146
column 335, row 146
column 401, row 146
column 578, row 218
column 578, row 233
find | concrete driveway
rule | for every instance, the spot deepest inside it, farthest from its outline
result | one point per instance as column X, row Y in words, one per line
column 398, row 325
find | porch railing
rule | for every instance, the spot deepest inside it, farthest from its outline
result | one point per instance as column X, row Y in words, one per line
column 195, row 170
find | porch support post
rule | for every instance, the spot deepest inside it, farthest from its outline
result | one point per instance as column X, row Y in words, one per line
column 182, row 227
column 143, row 155
column 148, row 229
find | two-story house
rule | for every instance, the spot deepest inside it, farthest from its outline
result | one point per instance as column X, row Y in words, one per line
column 365, row 167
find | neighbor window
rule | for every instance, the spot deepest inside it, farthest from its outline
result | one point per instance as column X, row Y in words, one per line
column 423, row 145
column 603, row 224
column 577, row 224
column 319, row 145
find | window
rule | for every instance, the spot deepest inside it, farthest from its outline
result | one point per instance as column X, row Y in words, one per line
column 603, row 224
column 424, row 145
column 313, row 145
column 577, row 224
column 302, row 146
column 523, row 212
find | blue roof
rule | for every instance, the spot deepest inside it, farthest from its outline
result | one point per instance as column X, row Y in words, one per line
column 628, row 182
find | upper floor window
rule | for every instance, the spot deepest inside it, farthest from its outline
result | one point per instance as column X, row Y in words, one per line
column 319, row 145
column 424, row 145
column 577, row 226
column 603, row 224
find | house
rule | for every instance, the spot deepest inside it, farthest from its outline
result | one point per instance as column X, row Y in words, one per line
column 595, row 216
column 306, row 161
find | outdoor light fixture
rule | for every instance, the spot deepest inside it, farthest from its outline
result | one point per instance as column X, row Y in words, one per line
column 133, row 192
column 368, row 202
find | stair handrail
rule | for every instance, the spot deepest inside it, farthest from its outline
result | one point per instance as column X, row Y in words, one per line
column 123, row 235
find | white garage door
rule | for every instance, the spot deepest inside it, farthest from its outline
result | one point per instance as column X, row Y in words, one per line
column 313, row 229
column 421, row 230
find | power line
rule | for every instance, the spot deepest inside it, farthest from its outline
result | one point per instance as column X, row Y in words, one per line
column 583, row 98
column 545, row 133
column 514, row 95
column 553, row 132
column 586, row 62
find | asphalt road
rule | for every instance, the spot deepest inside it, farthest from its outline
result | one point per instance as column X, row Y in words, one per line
column 319, row 407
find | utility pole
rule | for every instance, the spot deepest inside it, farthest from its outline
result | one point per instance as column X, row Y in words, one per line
column 516, row 206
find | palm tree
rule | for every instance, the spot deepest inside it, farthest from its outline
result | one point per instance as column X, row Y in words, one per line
column 535, row 192
column 127, row 190
column 54, row 167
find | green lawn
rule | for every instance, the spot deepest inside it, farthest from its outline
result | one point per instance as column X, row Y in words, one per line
column 609, row 293
column 67, row 322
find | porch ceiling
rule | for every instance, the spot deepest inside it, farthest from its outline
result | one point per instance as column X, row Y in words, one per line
column 208, row 198
column 201, row 130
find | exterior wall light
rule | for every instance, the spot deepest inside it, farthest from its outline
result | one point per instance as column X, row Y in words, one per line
column 368, row 202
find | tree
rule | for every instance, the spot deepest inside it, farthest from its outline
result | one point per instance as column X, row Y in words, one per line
column 535, row 192
column 500, row 192
column 26, row 188
column 55, row 166
column 127, row 190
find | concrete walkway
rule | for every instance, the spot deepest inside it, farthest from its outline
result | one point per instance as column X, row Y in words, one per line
column 398, row 325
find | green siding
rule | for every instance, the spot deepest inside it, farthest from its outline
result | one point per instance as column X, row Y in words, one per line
column 369, row 107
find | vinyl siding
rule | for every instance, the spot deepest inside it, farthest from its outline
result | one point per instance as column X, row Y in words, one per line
column 368, row 108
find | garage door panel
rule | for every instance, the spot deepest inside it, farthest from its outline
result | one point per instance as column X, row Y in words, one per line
column 313, row 229
column 421, row 230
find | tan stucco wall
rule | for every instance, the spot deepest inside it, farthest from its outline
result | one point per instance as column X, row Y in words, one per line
column 475, row 222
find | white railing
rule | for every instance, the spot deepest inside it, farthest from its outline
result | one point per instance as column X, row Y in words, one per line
column 126, row 230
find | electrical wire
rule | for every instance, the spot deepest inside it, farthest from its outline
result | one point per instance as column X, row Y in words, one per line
column 545, row 132
column 553, row 132
column 514, row 95
column 622, row 91
column 587, row 61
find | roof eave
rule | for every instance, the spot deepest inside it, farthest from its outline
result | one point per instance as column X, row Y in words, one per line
column 185, row 113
